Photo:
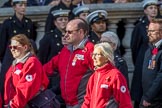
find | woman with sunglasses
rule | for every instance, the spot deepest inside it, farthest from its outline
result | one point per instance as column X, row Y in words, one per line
column 106, row 82
column 25, row 76
column 16, row 24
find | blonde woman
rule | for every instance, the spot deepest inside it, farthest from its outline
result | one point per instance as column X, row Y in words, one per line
column 106, row 82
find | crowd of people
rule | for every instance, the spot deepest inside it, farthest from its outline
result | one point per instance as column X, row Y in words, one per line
column 74, row 2
column 79, row 59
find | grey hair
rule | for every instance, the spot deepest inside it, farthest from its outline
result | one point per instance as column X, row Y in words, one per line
column 106, row 50
column 113, row 37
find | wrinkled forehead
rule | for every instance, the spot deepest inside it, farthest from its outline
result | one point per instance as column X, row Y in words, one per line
column 14, row 42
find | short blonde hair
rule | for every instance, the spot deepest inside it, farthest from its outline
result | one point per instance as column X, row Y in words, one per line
column 106, row 50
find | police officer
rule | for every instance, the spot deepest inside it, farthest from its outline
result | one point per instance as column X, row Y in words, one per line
column 120, row 63
column 64, row 4
column 17, row 24
column 81, row 12
column 51, row 45
column 98, row 24
column 139, row 44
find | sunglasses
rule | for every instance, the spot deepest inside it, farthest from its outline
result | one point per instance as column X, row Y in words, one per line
column 71, row 31
column 96, row 55
column 13, row 47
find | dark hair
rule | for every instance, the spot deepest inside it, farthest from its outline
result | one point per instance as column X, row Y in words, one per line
column 23, row 40
column 83, row 25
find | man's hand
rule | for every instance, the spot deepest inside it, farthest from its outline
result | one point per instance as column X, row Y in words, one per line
column 146, row 104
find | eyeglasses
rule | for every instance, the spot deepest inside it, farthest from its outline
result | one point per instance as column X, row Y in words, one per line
column 71, row 31
column 13, row 47
column 96, row 55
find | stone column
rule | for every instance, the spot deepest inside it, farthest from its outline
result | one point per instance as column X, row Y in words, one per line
column 40, row 32
column 112, row 25
column 2, row 2
column 126, row 43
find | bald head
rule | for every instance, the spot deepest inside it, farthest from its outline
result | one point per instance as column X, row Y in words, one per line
column 80, row 24
column 76, row 30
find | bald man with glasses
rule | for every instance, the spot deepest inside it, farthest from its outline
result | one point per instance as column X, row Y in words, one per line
column 74, row 63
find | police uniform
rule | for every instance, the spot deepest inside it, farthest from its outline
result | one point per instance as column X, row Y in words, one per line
column 93, row 37
column 11, row 27
column 50, row 19
column 139, row 44
column 121, row 64
column 50, row 45
column 92, row 18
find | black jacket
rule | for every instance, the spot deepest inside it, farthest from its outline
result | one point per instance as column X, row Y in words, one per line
column 50, row 45
column 152, row 78
column 139, row 44
column 93, row 37
column 121, row 64
column 14, row 26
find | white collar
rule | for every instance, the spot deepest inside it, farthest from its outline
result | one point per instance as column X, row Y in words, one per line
column 18, row 60
column 157, row 44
